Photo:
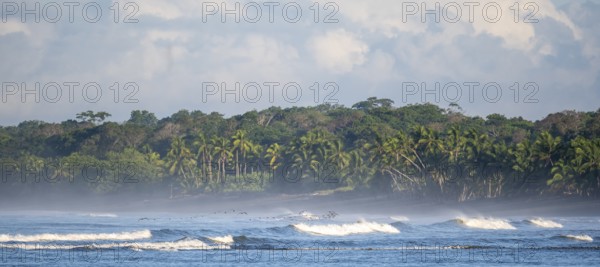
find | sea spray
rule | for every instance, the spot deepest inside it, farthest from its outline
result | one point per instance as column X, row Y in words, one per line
column 360, row 227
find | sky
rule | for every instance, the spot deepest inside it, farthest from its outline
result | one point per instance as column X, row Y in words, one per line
column 517, row 58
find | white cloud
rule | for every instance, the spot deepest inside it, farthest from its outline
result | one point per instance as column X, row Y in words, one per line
column 381, row 16
column 247, row 57
column 169, row 52
column 172, row 10
column 12, row 26
column 390, row 18
column 338, row 51
column 157, row 52
column 167, row 10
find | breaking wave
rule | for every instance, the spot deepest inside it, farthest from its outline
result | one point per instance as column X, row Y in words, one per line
column 361, row 227
column 143, row 234
column 183, row 244
column 309, row 216
column 228, row 239
column 486, row 223
column 108, row 215
column 399, row 218
column 539, row 222
column 586, row 238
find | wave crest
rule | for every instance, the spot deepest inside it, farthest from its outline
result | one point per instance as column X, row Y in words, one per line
column 143, row 234
column 586, row 238
column 183, row 244
column 486, row 223
column 107, row 215
column 307, row 215
column 545, row 223
column 399, row 218
column 186, row 244
column 228, row 239
column 361, row 227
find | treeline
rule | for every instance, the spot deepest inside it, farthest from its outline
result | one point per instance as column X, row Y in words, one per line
column 372, row 147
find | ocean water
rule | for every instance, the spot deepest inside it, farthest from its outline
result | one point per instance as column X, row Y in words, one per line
column 237, row 238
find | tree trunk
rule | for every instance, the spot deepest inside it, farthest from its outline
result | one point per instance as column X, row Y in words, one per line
column 237, row 164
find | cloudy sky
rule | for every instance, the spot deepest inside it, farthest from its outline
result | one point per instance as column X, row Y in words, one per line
column 518, row 58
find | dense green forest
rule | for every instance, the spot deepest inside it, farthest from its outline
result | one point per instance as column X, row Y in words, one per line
column 420, row 151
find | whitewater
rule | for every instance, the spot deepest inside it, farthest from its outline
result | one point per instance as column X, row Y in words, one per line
column 297, row 238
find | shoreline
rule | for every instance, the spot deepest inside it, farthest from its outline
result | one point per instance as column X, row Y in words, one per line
column 341, row 203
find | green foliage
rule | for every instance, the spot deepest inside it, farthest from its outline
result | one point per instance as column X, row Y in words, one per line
column 143, row 117
column 93, row 117
column 415, row 150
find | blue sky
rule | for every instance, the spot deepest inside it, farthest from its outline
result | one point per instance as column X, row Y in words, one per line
column 182, row 55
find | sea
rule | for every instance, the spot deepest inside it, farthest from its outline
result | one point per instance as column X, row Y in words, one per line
column 293, row 238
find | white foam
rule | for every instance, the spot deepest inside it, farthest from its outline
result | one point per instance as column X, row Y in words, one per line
column 361, row 227
column 486, row 223
column 545, row 223
column 187, row 244
column 399, row 218
column 108, row 215
column 580, row 237
column 76, row 237
column 228, row 239
column 309, row 216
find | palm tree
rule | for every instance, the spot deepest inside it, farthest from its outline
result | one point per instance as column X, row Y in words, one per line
column 256, row 153
column 304, row 160
column 203, row 155
column 429, row 149
column 273, row 154
column 428, row 141
column 522, row 161
column 242, row 145
column 221, row 151
column 339, row 158
column 376, row 151
column 396, row 157
column 359, row 172
column 476, row 145
column 309, row 152
column 587, row 160
column 579, row 171
column 545, row 148
column 455, row 144
column 180, row 161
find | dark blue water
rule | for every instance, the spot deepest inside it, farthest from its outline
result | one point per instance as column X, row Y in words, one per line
column 294, row 239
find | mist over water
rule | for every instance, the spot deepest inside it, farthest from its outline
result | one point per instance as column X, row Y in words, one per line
column 299, row 231
column 299, row 133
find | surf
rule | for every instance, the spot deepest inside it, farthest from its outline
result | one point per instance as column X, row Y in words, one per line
column 106, row 215
column 123, row 236
column 485, row 223
column 228, row 239
column 399, row 218
column 586, row 238
column 539, row 222
column 360, row 227
column 183, row 244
